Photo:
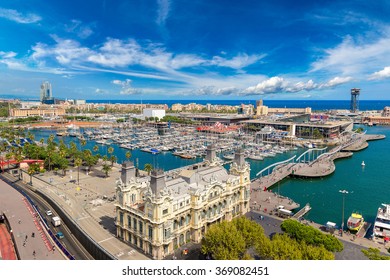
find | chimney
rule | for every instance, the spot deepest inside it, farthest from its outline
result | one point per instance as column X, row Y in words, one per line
column 239, row 157
column 157, row 181
column 210, row 153
column 127, row 172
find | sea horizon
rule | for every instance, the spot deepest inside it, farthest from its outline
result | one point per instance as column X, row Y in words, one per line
column 316, row 105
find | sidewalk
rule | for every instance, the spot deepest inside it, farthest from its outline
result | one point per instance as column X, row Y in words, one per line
column 23, row 223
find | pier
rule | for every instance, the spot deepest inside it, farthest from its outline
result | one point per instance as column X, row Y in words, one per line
column 302, row 212
column 313, row 163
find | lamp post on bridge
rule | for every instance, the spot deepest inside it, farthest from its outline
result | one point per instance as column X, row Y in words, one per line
column 344, row 192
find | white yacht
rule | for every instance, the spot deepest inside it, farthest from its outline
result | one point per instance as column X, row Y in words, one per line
column 255, row 157
column 382, row 221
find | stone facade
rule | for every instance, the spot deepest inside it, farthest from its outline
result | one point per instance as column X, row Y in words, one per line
column 157, row 214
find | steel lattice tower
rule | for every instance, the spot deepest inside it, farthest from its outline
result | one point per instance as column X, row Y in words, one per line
column 355, row 92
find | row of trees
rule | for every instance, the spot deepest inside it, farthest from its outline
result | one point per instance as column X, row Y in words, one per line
column 57, row 156
column 233, row 240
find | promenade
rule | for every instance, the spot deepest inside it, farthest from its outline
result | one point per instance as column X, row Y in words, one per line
column 23, row 223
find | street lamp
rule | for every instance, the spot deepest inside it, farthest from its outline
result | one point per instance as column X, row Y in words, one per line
column 344, row 192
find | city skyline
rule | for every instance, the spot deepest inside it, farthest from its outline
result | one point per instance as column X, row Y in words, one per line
column 176, row 49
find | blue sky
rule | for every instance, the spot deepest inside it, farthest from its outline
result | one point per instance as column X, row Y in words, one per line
column 199, row 49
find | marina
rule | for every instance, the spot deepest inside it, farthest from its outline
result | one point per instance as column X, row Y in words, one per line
column 181, row 148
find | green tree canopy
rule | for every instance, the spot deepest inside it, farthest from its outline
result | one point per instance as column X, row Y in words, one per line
column 311, row 235
column 224, row 242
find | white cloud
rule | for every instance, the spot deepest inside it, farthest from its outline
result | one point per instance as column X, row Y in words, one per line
column 163, row 11
column 6, row 55
column 212, row 90
column 301, row 86
column 126, row 53
column 100, row 91
column 126, row 87
column 238, row 62
column 64, row 51
column 280, row 85
column 18, row 17
column 77, row 27
column 336, row 81
column 382, row 74
column 355, row 56
column 271, row 85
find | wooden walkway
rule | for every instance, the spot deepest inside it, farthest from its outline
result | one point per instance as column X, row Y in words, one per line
column 302, row 212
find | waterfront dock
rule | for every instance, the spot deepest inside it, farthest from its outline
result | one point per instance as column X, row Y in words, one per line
column 302, row 212
column 267, row 201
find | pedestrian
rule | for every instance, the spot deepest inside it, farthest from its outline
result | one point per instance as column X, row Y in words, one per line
column 26, row 237
column 34, row 253
column 19, row 221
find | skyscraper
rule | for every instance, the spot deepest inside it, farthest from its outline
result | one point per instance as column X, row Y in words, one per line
column 46, row 93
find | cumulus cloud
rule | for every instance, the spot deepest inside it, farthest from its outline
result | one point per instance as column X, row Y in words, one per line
column 271, row 85
column 126, row 87
column 163, row 11
column 18, row 17
column 280, row 85
column 382, row 74
column 336, row 81
column 301, row 86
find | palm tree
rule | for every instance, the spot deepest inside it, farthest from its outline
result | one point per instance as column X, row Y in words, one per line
column 19, row 158
column 30, row 136
column 128, row 155
column 95, row 148
column 73, row 150
column 50, row 139
column 32, row 169
column 106, row 168
column 110, row 150
column 78, row 162
column 148, row 168
column 83, row 142
column 8, row 156
column 112, row 159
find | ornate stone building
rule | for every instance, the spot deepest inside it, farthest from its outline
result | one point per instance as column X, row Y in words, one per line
column 157, row 214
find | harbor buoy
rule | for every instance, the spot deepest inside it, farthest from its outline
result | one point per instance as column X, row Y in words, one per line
column 363, row 164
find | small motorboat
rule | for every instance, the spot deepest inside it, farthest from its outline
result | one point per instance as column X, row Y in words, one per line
column 363, row 164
